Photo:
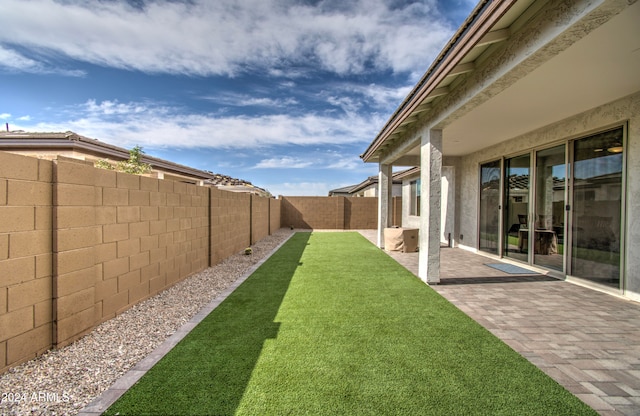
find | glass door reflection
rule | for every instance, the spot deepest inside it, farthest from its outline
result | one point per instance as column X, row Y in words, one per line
column 597, row 205
column 550, row 208
column 516, row 238
column 489, row 207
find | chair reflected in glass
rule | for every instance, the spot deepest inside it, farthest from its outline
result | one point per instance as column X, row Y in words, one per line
column 545, row 240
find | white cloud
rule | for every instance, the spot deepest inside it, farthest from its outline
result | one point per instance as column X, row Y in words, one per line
column 352, row 97
column 349, row 163
column 333, row 160
column 13, row 61
column 347, row 104
column 110, row 108
column 383, row 96
column 5, row 116
column 286, row 162
column 148, row 124
column 243, row 100
column 301, row 188
column 202, row 37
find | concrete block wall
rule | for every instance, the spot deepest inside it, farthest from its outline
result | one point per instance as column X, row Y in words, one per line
column 79, row 245
column 274, row 214
column 76, row 234
column 118, row 239
column 230, row 223
column 26, row 197
column 309, row 212
column 361, row 213
column 156, row 234
column 335, row 212
column 259, row 218
column 396, row 218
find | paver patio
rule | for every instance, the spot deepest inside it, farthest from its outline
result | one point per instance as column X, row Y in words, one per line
column 587, row 340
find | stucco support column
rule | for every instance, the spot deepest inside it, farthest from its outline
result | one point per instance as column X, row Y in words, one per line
column 384, row 200
column 430, row 200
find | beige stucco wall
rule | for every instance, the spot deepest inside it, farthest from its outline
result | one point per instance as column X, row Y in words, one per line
column 372, row 191
column 623, row 111
column 448, row 207
column 408, row 221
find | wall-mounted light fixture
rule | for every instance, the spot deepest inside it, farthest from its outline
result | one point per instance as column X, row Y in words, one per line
column 615, row 149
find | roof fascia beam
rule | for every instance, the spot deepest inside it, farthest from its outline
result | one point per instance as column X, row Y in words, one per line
column 423, row 107
column 462, row 69
column 398, row 150
column 495, row 37
column 438, row 92
column 407, row 160
column 410, row 120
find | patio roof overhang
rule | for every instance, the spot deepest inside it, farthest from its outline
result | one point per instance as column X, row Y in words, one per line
column 544, row 74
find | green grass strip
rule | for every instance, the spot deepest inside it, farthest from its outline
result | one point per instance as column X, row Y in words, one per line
column 330, row 325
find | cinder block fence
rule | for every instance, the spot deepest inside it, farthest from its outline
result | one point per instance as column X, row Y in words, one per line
column 79, row 245
column 329, row 213
column 26, row 258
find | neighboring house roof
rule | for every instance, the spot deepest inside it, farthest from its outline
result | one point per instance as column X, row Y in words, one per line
column 228, row 183
column 71, row 144
column 370, row 181
column 519, row 182
column 406, row 173
column 341, row 191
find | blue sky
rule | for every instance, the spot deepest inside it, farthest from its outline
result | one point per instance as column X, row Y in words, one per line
column 285, row 94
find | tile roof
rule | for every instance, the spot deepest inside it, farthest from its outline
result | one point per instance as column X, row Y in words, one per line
column 372, row 180
column 21, row 140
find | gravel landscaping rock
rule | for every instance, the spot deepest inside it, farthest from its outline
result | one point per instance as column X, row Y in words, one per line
column 64, row 381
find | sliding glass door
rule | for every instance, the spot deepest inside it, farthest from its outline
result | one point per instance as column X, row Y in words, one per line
column 489, row 207
column 563, row 207
column 516, row 239
column 597, row 204
column 550, row 208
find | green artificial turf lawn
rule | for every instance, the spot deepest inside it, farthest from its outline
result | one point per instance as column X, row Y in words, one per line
column 331, row 325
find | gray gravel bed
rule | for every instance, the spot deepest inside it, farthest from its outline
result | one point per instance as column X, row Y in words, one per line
column 64, row 381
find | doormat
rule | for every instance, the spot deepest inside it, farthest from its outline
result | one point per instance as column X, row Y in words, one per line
column 510, row 268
